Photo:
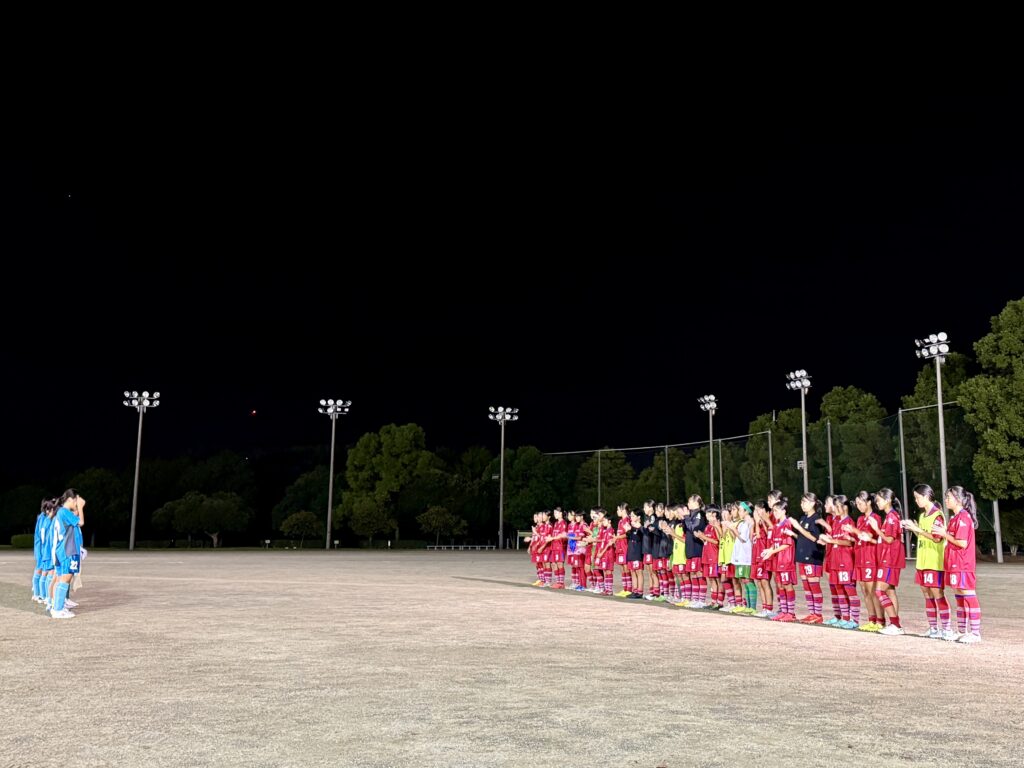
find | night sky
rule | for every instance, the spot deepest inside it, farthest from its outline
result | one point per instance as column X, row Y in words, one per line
column 600, row 282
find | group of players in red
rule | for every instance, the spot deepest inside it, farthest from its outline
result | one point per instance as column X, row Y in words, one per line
column 705, row 557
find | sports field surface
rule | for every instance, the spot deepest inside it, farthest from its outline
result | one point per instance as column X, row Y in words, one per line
column 422, row 659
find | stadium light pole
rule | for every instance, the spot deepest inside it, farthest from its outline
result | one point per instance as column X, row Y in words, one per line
column 710, row 404
column 936, row 346
column 139, row 403
column 801, row 380
column 334, row 409
column 502, row 415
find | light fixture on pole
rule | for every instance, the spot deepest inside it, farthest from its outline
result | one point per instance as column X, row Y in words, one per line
column 502, row 415
column 334, row 409
column 139, row 403
column 801, row 380
column 710, row 404
column 936, row 346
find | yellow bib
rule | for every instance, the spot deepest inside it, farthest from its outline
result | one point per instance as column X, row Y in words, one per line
column 929, row 553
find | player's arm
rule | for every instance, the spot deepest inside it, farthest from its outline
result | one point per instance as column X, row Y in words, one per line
column 961, row 543
column 803, row 532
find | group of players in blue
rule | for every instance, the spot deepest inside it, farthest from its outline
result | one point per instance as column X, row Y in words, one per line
column 59, row 552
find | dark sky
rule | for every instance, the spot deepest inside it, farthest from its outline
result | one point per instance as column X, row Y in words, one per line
column 427, row 268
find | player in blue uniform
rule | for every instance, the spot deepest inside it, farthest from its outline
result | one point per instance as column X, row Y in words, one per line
column 67, row 549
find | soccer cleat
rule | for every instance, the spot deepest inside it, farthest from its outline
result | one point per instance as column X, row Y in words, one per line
column 70, row 604
column 835, row 620
column 65, row 614
column 933, row 633
column 787, row 618
column 815, row 619
column 660, row 599
column 950, row 636
column 537, row 583
column 970, row 638
column 806, row 619
column 622, row 593
column 891, row 630
column 847, row 624
column 635, row 596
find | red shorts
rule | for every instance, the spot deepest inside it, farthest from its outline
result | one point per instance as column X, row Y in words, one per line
column 693, row 565
column 648, row 558
column 711, row 570
column 660, row 563
column 809, row 571
column 843, row 577
column 865, row 572
column 535, row 558
column 785, row 577
column 961, row 579
column 604, row 563
column 678, row 568
column 620, row 559
column 588, row 556
column 761, row 573
column 890, row 576
column 727, row 571
column 931, row 579
column 556, row 556
column 635, row 565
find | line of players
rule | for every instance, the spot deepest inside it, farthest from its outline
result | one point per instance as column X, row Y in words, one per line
column 699, row 556
column 58, row 552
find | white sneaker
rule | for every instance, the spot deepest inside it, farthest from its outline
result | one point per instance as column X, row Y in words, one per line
column 970, row 638
column 65, row 614
column 70, row 604
column 950, row 635
column 761, row 614
column 892, row 629
column 933, row 634
column 698, row 605
column 725, row 608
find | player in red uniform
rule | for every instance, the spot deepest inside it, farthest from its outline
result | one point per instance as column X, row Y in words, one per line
column 891, row 558
column 535, row 556
column 605, row 557
column 843, row 575
column 709, row 557
column 760, row 569
column 961, row 563
column 930, row 574
column 620, row 550
column 782, row 553
column 834, row 590
column 556, row 549
column 865, row 560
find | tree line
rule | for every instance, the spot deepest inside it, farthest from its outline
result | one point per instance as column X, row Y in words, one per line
column 391, row 485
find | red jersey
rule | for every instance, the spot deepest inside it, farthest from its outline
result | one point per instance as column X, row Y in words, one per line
column 831, row 520
column 961, row 560
column 558, row 529
column 891, row 554
column 710, row 554
column 543, row 531
column 757, row 543
column 534, row 539
column 604, row 538
column 865, row 551
column 842, row 557
column 622, row 530
column 786, row 559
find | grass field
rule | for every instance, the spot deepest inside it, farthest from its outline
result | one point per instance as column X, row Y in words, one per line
column 448, row 659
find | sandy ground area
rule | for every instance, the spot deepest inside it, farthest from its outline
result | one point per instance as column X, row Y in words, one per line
column 449, row 659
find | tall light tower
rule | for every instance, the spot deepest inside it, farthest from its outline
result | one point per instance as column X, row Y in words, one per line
column 139, row 403
column 936, row 346
column 801, row 380
column 502, row 415
column 334, row 409
column 709, row 404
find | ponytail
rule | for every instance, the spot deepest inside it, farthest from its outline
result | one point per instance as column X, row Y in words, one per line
column 966, row 499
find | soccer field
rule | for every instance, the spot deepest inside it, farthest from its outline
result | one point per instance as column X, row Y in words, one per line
column 449, row 659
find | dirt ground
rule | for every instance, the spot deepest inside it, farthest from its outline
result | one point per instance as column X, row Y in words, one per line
column 448, row 659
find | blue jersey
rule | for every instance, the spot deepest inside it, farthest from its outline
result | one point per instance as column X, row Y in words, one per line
column 37, row 542
column 66, row 543
column 46, row 543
